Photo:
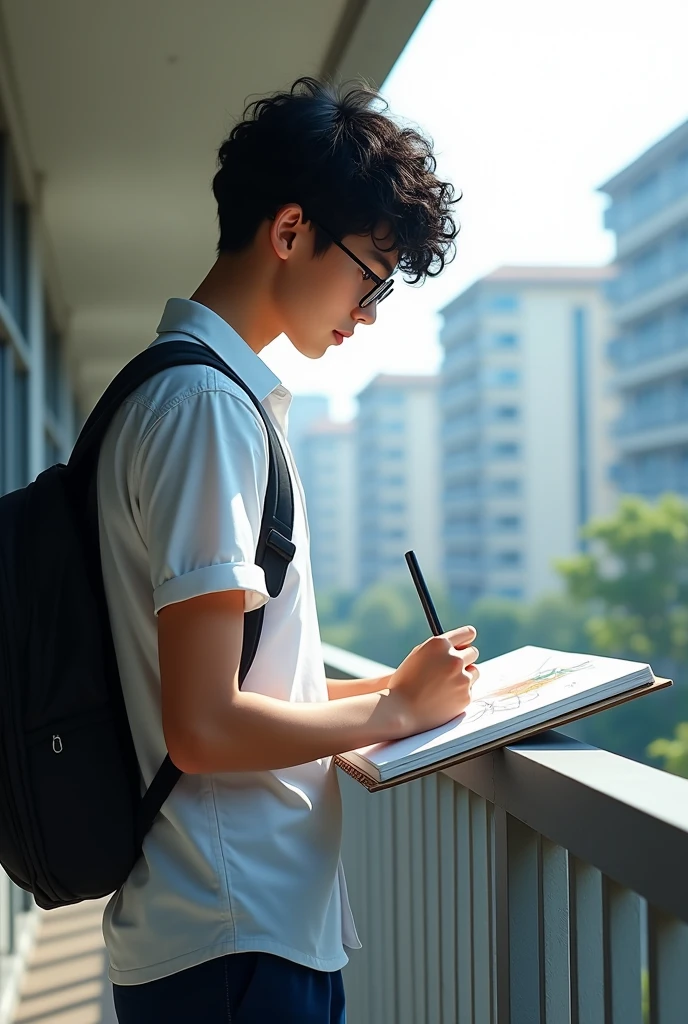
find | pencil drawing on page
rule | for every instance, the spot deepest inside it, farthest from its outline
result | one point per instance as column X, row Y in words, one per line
column 513, row 695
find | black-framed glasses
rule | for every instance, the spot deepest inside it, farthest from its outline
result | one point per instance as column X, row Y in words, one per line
column 380, row 290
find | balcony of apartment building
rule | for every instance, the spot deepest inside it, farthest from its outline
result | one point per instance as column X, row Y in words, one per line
column 656, row 416
column 653, row 349
column 652, row 473
column 656, row 202
column 655, row 278
column 542, row 883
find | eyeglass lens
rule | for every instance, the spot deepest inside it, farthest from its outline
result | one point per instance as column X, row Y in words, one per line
column 378, row 293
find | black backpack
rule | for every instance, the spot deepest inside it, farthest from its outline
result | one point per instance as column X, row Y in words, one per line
column 72, row 817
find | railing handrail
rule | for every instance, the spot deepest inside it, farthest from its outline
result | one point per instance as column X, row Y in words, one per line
column 625, row 818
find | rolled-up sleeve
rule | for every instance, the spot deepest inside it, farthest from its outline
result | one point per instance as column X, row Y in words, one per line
column 202, row 476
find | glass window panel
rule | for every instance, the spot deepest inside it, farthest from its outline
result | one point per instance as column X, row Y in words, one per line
column 5, row 433
column 20, row 433
column 53, row 453
column 53, row 367
column 20, row 262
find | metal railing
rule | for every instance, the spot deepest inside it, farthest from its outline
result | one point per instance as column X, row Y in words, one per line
column 544, row 883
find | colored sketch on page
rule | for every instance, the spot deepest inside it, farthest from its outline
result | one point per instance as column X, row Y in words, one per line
column 509, row 686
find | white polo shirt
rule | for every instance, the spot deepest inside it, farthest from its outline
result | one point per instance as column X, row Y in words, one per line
column 235, row 861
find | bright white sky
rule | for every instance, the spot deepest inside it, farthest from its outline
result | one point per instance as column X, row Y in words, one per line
column 532, row 106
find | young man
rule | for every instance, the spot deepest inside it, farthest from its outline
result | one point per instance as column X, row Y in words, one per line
column 237, row 910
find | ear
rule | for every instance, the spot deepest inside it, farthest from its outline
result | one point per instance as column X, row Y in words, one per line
column 286, row 228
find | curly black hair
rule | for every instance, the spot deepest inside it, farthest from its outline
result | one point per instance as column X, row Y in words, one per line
column 335, row 152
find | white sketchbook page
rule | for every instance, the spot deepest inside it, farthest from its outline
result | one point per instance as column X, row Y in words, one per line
column 489, row 709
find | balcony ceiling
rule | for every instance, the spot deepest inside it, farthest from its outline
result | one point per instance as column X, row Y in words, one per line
column 120, row 107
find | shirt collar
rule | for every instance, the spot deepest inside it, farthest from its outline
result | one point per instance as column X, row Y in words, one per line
column 186, row 316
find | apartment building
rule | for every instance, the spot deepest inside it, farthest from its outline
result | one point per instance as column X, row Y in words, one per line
column 525, row 435
column 649, row 216
column 328, row 472
column 398, row 462
column 304, row 412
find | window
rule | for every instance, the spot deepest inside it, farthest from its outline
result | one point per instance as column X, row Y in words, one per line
column 53, row 367
column 20, row 428
column 393, row 453
column 393, row 481
column 514, row 593
column 505, row 412
column 509, row 341
column 505, row 449
column 508, row 558
column 5, row 427
column 506, row 486
column 502, row 303
column 389, row 397
column 52, row 451
column 508, row 522
column 20, row 289
column 392, row 506
column 504, row 378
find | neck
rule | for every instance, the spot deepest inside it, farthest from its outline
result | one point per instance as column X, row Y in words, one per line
column 237, row 288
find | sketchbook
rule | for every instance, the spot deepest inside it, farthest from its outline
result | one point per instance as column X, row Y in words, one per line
column 517, row 695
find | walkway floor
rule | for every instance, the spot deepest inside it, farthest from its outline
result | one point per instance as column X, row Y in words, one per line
column 66, row 978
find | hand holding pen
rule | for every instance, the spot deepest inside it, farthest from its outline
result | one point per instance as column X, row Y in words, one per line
column 433, row 684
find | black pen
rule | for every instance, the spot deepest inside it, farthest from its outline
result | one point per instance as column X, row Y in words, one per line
column 423, row 593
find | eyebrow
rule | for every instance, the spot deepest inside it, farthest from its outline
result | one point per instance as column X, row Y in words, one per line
column 375, row 254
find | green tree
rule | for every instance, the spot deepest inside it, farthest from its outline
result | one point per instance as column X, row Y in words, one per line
column 635, row 578
column 674, row 752
column 384, row 622
column 634, row 582
column 499, row 622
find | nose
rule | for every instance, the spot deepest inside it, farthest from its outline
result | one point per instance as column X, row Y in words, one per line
column 366, row 315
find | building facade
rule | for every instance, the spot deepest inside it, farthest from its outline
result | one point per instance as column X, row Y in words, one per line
column 304, row 412
column 649, row 216
column 398, row 465
column 328, row 472
column 525, row 434
column 39, row 421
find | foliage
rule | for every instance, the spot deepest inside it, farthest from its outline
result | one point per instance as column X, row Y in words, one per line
column 635, row 577
column 673, row 752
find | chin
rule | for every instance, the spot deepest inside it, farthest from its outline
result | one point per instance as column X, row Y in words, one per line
column 311, row 350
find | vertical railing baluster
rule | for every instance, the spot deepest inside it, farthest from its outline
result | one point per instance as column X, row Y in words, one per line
column 464, row 908
column 417, row 902
column 587, row 944
column 482, row 911
column 555, row 933
column 404, row 887
column 376, row 949
column 623, row 954
column 431, row 887
column 389, row 934
column 668, row 964
column 447, row 895
column 501, row 915
column 525, row 947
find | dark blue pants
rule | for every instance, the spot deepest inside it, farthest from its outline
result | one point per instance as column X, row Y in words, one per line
column 242, row 988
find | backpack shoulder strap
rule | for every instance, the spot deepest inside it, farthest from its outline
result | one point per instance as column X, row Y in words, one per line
column 275, row 548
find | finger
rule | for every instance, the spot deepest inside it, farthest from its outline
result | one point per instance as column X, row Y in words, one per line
column 468, row 655
column 461, row 636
